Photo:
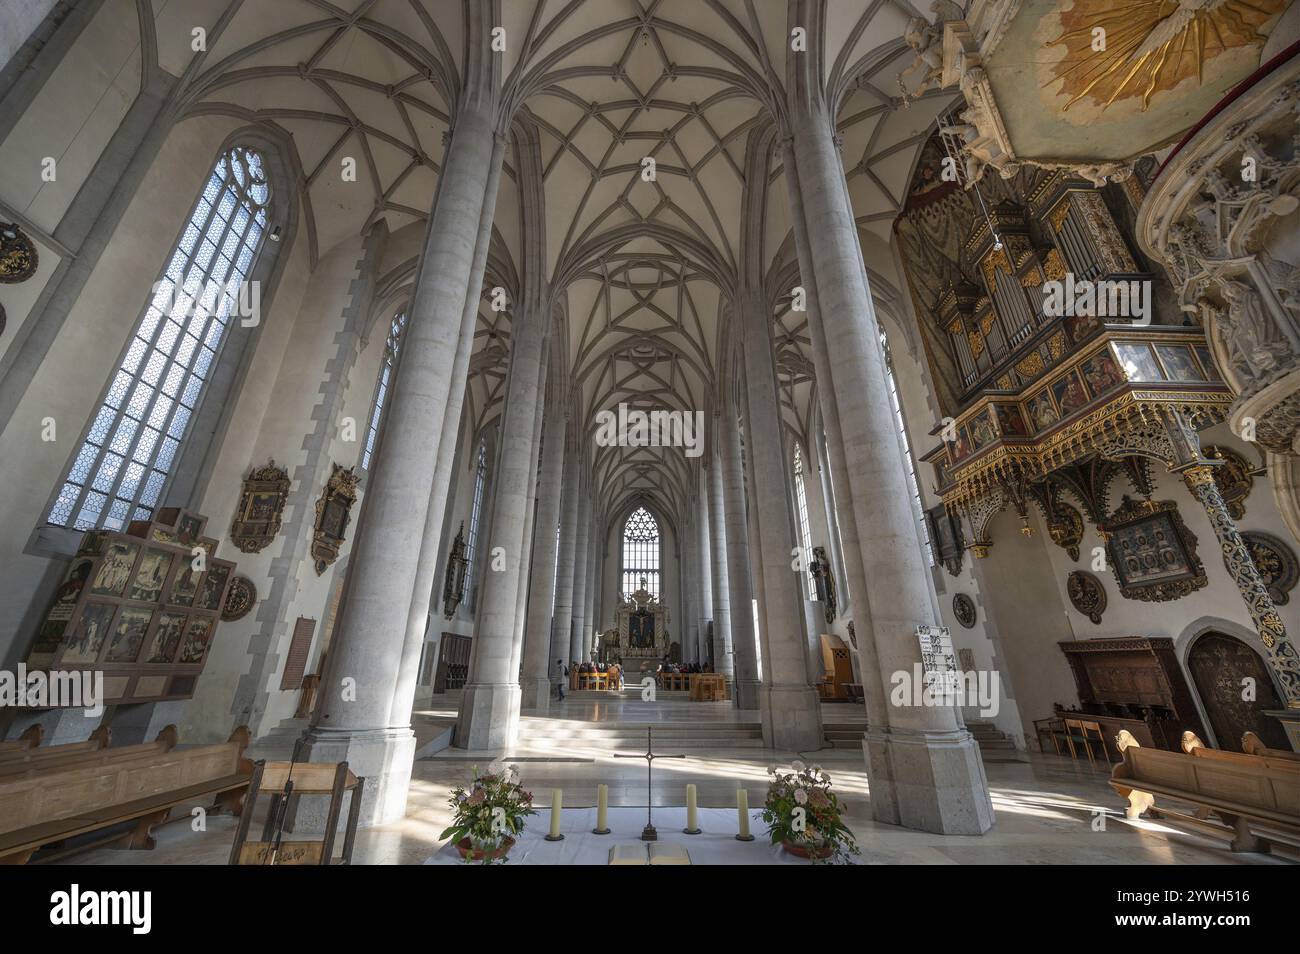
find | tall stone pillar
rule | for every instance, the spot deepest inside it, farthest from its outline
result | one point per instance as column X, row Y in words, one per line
column 744, row 648
column 935, row 766
column 875, row 680
column 581, row 555
column 595, row 545
column 425, row 578
column 525, row 577
column 790, row 706
column 353, row 719
column 563, row 617
column 722, row 644
column 690, row 585
column 703, row 549
column 536, row 686
column 489, row 708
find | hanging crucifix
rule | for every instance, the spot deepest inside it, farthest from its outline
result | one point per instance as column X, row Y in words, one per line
column 649, row 833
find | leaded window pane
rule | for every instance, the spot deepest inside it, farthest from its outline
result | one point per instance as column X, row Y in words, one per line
column 641, row 552
column 130, row 464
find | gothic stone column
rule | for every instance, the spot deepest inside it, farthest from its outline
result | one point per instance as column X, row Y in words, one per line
column 541, row 591
column 934, row 762
column 489, row 708
column 722, row 644
column 425, row 581
column 563, row 616
column 353, row 718
column 738, row 568
column 790, row 707
column 875, row 680
column 581, row 553
column 702, row 550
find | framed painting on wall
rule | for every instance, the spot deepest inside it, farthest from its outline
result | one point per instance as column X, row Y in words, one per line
column 1151, row 551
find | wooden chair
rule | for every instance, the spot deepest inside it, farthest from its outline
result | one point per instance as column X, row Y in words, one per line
column 1086, row 733
column 1052, row 728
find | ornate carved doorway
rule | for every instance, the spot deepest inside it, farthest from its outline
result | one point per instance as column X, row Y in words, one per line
column 1219, row 663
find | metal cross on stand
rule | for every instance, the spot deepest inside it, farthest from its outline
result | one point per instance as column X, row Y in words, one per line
column 648, row 833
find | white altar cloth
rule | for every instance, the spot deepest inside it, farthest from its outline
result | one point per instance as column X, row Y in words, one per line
column 715, row 845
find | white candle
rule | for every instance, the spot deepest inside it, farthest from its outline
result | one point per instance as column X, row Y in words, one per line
column 602, row 808
column 742, row 813
column 692, row 821
column 557, row 805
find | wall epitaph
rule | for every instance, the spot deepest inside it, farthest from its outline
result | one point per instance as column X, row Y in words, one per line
column 261, row 505
column 333, row 511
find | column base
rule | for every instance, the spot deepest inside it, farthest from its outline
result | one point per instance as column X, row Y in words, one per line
column 489, row 716
column 535, row 694
column 746, row 694
column 933, row 781
column 792, row 718
column 880, row 778
column 383, row 757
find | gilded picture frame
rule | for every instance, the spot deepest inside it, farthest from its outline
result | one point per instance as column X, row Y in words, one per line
column 1151, row 551
column 261, row 506
column 333, row 512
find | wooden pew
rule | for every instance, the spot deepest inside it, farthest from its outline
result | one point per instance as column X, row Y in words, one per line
column 46, row 806
column 99, row 740
column 58, row 757
column 1256, row 798
column 30, row 739
column 1254, row 745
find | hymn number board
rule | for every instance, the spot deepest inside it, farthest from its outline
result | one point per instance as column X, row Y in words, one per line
column 140, row 606
column 938, row 659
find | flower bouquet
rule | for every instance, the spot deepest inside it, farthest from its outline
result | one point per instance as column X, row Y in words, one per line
column 485, row 818
column 804, row 816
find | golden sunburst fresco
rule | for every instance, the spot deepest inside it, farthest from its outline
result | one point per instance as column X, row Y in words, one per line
column 1151, row 45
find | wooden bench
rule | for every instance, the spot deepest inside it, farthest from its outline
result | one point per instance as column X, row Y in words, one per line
column 1256, row 798
column 21, row 760
column 1254, row 745
column 56, row 759
column 675, row 681
column 30, row 739
column 50, row 805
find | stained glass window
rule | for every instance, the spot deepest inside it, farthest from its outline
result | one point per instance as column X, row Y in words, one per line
column 641, row 552
column 386, row 372
column 119, row 471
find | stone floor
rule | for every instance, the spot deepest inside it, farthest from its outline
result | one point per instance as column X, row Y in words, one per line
column 1047, row 807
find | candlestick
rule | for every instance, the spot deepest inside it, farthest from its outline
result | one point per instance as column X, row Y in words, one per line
column 742, row 812
column 557, row 805
column 692, row 820
column 602, row 810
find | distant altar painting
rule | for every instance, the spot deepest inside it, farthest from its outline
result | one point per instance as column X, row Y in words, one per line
column 642, row 628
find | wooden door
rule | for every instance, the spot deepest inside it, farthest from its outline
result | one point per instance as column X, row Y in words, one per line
column 1219, row 663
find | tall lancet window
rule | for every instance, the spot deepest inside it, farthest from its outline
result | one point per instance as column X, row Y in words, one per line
column 918, row 507
column 129, row 452
column 383, row 387
column 641, row 552
column 475, row 516
column 805, row 532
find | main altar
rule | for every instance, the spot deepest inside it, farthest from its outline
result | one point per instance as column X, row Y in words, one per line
column 642, row 633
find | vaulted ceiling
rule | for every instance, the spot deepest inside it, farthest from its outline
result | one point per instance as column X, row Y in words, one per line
column 642, row 110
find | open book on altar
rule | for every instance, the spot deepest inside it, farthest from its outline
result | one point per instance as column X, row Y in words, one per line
column 653, row 853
